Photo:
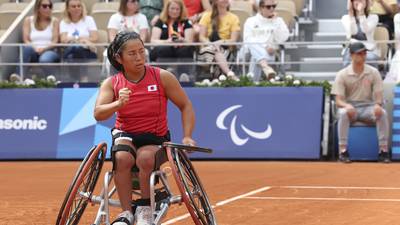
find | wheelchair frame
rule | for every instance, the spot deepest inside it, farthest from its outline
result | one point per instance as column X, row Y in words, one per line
column 192, row 193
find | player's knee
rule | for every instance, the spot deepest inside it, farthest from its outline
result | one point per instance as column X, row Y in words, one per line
column 124, row 161
column 145, row 161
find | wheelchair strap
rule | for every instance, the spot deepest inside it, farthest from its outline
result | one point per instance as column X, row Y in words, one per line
column 118, row 148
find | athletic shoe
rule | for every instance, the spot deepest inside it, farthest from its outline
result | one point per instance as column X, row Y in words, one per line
column 269, row 72
column 143, row 215
column 125, row 218
column 384, row 157
column 344, row 157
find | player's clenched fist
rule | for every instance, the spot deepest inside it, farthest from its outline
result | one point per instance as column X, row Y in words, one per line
column 123, row 96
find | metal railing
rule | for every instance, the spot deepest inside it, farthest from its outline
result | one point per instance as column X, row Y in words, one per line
column 292, row 46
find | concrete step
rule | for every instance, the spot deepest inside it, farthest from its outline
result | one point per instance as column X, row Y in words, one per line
column 329, row 36
column 326, row 64
column 330, row 25
column 311, row 51
column 314, row 76
column 329, row 8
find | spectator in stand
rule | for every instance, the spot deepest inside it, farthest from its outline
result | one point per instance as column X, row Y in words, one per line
column 394, row 70
column 360, row 25
column 268, row 30
column 195, row 9
column 80, row 31
column 219, row 27
column 151, row 9
column 173, row 27
column 385, row 9
column 41, row 31
column 128, row 18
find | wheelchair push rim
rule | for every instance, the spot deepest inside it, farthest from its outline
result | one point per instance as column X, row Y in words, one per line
column 192, row 191
column 84, row 182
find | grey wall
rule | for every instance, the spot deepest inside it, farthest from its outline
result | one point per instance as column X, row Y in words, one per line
column 13, row 35
column 330, row 9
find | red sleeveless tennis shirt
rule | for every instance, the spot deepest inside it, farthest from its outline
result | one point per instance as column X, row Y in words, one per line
column 146, row 110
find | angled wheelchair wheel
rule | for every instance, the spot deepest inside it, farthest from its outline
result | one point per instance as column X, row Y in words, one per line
column 192, row 191
column 82, row 186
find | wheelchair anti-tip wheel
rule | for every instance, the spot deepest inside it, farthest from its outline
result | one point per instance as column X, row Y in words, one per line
column 82, row 186
column 192, row 191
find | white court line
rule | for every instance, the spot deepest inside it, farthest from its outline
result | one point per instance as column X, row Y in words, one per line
column 327, row 199
column 246, row 196
column 241, row 196
column 338, row 187
column 176, row 219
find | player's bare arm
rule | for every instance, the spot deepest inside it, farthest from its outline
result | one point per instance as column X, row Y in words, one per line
column 177, row 95
column 105, row 105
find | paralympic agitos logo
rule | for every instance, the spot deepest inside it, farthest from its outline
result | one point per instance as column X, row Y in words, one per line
column 232, row 128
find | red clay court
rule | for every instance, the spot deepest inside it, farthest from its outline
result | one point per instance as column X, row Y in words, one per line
column 246, row 192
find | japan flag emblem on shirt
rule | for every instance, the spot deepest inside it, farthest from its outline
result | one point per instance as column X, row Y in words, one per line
column 151, row 88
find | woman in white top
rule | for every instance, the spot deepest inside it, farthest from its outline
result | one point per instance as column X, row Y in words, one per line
column 41, row 31
column 128, row 18
column 360, row 26
column 79, row 29
column 268, row 30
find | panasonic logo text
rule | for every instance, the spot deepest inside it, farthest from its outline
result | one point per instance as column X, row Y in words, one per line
column 23, row 124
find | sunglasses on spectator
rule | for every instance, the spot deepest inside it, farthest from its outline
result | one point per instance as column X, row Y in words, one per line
column 46, row 6
column 268, row 6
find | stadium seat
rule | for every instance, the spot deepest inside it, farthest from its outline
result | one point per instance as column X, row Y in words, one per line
column 102, row 11
column 287, row 10
column 362, row 138
column 241, row 5
column 381, row 36
column 13, row 7
column 103, row 39
column 9, row 12
column 243, row 15
column 299, row 6
column 104, row 6
column 58, row 9
column 102, row 18
column 89, row 4
column 288, row 5
column 363, row 142
column 4, row 1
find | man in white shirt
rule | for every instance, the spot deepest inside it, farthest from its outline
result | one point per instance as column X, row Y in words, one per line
column 263, row 33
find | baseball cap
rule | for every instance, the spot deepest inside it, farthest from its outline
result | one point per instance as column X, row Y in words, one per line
column 357, row 47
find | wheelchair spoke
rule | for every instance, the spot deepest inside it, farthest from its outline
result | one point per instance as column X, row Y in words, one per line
column 191, row 189
column 82, row 186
